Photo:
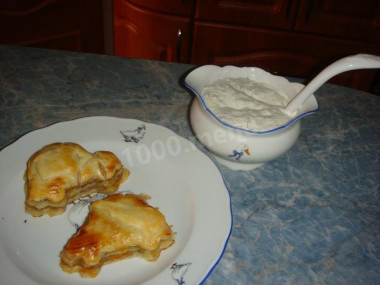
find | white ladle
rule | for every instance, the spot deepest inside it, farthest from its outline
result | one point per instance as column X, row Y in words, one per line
column 359, row 61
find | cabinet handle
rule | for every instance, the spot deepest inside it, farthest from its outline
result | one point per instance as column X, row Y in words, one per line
column 179, row 45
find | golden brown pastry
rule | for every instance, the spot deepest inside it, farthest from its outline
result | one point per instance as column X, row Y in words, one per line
column 61, row 173
column 117, row 227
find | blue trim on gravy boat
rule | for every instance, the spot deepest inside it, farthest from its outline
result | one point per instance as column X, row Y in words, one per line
column 250, row 131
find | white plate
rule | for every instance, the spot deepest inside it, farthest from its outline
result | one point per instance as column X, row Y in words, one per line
column 182, row 181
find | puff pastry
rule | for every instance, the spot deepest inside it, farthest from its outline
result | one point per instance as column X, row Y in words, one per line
column 61, row 173
column 117, row 227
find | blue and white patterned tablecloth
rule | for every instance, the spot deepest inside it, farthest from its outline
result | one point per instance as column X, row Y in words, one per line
column 311, row 216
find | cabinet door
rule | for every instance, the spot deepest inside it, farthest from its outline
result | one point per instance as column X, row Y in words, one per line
column 279, row 52
column 142, row 33
column 266, row 13
column 174, row 7
column 61, row 24
column 342, row 18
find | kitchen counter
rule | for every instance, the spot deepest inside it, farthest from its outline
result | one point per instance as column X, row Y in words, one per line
column 312, row 216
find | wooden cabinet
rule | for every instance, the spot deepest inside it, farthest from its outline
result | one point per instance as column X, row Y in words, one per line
column 341, row 18
column 287, row 37
column 175, row 7
column 260, row 13
column 149, row 33
column 75, row 25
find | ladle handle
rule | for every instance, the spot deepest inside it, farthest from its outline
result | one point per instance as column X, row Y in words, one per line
column 359, row 61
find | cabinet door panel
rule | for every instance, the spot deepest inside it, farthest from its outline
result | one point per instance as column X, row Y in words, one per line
column 141, row 33
column 268, row 13
column 62, row 24
column 177, row 7
column 342, row 18
column 279, row 52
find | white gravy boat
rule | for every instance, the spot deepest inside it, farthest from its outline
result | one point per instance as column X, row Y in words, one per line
column 241, row 149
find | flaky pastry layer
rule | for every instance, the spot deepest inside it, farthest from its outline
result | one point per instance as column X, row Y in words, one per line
column 61, row 173
column 117, row 227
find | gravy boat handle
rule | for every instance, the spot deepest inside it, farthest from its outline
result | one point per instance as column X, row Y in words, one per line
column 359, row 61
